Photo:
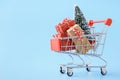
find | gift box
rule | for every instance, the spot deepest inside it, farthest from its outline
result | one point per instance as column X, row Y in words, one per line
column 61, row 45
column 62, row 27
column 81, row 42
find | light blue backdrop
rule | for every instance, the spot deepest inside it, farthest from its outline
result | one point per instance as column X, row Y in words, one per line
column 26, row 27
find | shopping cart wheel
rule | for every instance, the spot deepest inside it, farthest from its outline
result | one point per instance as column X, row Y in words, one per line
column 69, row 72
column 88, row 68
column 103, row 71
column 62, row 69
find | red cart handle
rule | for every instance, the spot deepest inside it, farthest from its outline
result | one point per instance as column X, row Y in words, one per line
column 107, row 22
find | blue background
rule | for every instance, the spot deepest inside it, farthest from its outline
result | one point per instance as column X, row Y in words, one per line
column 26, row 27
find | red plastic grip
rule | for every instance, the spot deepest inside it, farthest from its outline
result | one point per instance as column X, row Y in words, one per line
column 107, row 22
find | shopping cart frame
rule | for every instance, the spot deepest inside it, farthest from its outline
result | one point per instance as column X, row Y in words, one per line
column 70, row 66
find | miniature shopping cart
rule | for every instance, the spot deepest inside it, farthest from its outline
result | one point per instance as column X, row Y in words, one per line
column 78, row 44
column 78, row 38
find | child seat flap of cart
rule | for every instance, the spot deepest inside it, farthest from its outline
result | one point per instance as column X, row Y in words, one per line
column 78, row 37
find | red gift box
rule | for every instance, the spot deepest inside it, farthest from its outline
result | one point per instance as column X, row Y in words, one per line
column 62, row 27
column 61, row 45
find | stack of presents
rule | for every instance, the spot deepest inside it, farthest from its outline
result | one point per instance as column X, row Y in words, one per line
column 70, row 34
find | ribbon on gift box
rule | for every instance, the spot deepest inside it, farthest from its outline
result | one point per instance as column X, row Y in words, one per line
column 78, row 33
